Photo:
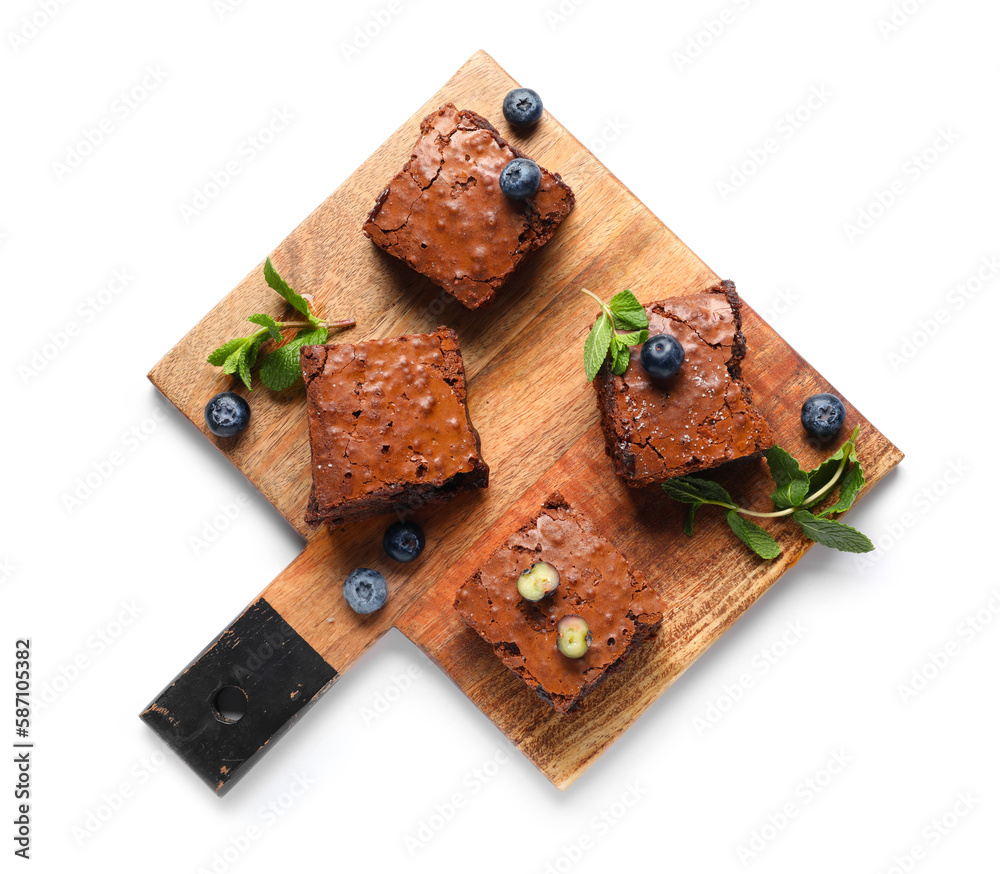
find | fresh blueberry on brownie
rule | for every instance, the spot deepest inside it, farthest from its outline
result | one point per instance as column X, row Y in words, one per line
column 597, row 584
column 227, row 414
column 704, row 416
column 537, row 581
column 365, row 590
column 522, row 107
column 403, row 541
column 574, row 637
column 520, row 178
column 823, row 415
column 445, row 216
column 662, row 356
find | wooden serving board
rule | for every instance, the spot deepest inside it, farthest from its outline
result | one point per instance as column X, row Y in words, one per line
column 539, row 425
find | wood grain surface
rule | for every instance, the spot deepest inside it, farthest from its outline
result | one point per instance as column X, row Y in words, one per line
column 538, row 421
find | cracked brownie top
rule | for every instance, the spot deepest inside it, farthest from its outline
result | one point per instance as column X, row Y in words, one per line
column 701, row 417
column 595, row 582
column 386, row 416
column 444, row 213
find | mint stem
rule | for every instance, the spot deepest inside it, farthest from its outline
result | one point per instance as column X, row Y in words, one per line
column 339, row 323
column 815, row 496
column 604, row 307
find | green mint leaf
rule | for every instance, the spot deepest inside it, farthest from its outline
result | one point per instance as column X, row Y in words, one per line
column 258, row 341
column 694, row 490
column 236, row 363
column 630, row 315
column 791, row 482
column 595, row 349
column 753, row 536
column 634, row 338
column 620, row 353
column 620, row 356
column 850, row 447
column 286, row 291
column 689, row 519
column 820, row 476
column 850, row 486
column 836, row 535
column 280, row 369
column 232, row 362
column 244, row 370
column 218, row 356
column 266, row 321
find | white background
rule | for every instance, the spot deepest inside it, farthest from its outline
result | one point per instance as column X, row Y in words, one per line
column 713, row 772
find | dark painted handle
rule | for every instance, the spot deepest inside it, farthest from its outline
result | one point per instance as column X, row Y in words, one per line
column 246, row 688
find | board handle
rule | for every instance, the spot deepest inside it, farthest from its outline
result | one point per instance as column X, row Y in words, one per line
column 225, row 709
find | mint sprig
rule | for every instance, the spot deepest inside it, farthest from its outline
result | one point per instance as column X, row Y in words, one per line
column 795, row 491
column 279, row 369
column 622, row 313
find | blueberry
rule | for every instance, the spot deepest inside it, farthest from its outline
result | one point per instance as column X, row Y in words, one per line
column 662, row 356
column 403, row 541
column 522, row 107
column 520, row 178
column 538, row 581
column 227, row 414
column 823, row 415
column 365, row 590
column 574, row 637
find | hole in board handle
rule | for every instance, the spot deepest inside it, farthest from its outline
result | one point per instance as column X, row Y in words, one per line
column 230, row 704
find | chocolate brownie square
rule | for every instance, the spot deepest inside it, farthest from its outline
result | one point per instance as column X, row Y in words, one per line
column 701, row 417
column 445, row 215
column 388, row 426
column 595, row 582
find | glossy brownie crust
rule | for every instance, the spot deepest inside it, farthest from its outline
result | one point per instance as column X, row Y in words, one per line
column 701, row 417
column 389, row 427
column 596, row 582
column 444, row 213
